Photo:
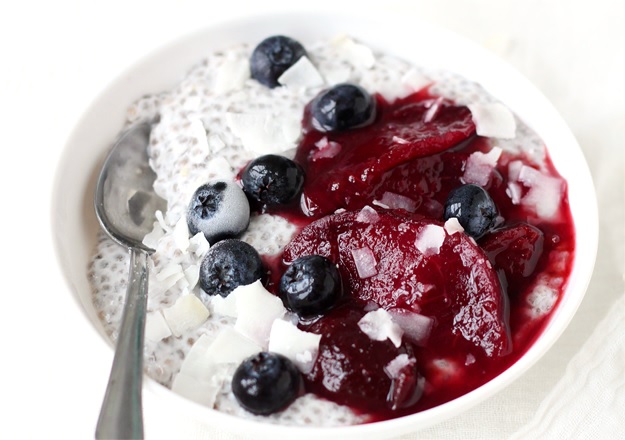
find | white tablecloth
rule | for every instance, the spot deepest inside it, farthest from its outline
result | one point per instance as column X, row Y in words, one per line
column 57, row 55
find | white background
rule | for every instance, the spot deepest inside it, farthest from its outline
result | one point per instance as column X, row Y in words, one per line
column 55, row 56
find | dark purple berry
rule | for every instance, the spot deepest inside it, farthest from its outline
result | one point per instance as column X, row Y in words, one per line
column 266, row 383
column 229, row 264
column 272, row 180
column 473, row 207
column 342, row 107
column 272, row 57
column 311, row 285
column 219, row 210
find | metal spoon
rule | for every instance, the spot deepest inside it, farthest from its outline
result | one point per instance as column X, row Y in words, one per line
column 125, row 204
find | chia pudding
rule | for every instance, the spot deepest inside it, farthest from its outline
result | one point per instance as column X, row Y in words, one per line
column 428, row 307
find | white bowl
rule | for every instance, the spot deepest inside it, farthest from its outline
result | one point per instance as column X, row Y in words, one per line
column 75, row 226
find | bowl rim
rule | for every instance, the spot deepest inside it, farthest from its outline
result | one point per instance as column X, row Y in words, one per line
column 583, row 262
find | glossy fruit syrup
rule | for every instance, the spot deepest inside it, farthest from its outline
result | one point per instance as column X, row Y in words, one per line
column 479, row 296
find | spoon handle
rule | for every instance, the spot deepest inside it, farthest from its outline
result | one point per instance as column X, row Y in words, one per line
column 121, row 413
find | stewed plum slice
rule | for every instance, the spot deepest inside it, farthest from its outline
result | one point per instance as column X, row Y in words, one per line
column 416, row 126
column 412, row 263
column 354, row 370
column 515, row 249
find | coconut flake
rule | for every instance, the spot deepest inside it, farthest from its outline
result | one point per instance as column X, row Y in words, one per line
column 514, row 168
column 493, row 120
column 513, row 190
column 301, row 74
column 529, row 176
column 231, row 347
column 163, row 285
column 432, row 111
column 224, row 306
column 151, row 240
column 256, row 311
column 264, row 133
column 199, row 379
column 200, row 391
column 469, row 360
column 365, row 262
column 198, row 245
column 215, row 142
column 305, row 361
column 367, row 215
column 414, row 325
column 156, row 327
column 197, row 131
column 183, row 284
column 228, row 306
column 397, row 201
column 379, row 326
column 398, row 140
column 452, row 225
column 195, row 362
column 325, row 149
column 218, row 168
column 394, row 367
column 358, row 55
column 430, row 239
column 231, row 75
column 192, row 275
column 250, row 128
column 380, row 204
column 415, row 80
column 479, row 167
column 545, row 192
column 170, row 270
column 181, row 234
column 541, row 300
column 161, row 221
column 187, row 313
column 299, row 346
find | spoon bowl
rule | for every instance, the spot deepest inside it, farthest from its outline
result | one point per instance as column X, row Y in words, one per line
column 125, row 205
column 125, row 201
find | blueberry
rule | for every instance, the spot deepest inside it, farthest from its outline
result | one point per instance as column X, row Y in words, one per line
column 474, row 209
column 311, row 285
column 342, row 107
column 272, row 57
column 266, row 383
column 219, row 210
column 272, row 180
column 229, row 264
